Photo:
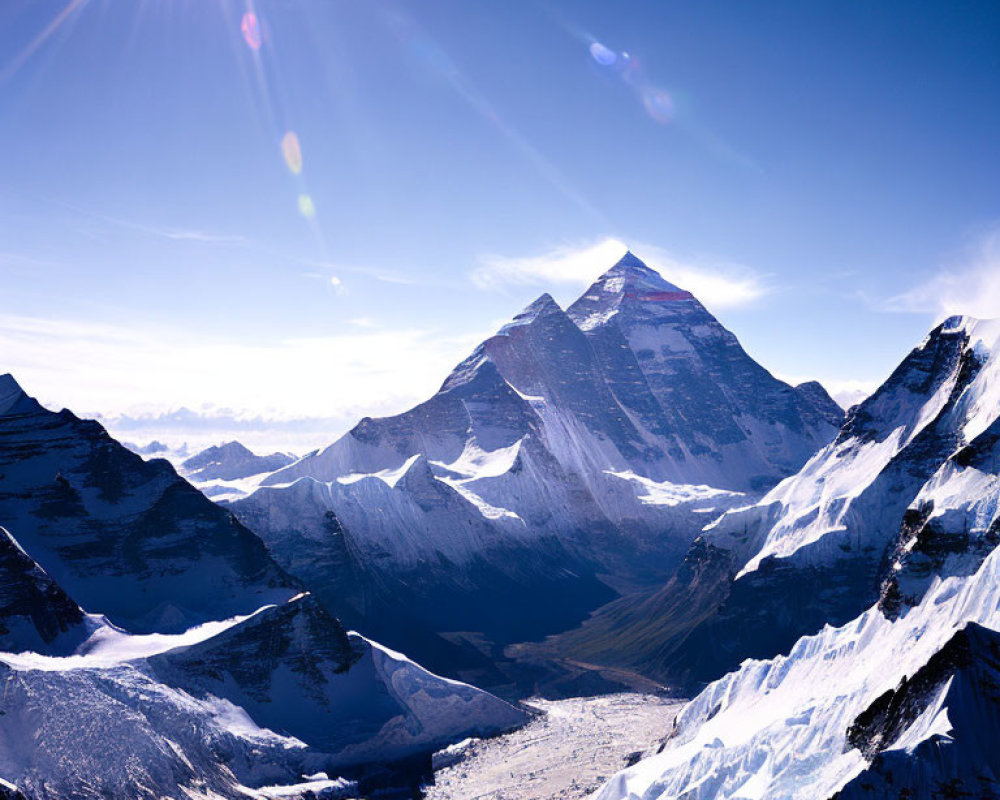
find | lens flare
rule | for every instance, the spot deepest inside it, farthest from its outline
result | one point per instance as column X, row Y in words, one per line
column 602, row 55
column 292, row 152
column 250, row 27
column 307, row 208
column 658, row 104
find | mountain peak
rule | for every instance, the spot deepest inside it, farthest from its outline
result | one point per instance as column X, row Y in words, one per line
column 629, row 282
column 13, row 399
column 540, row 307
column 631, row 273
column 233, row 448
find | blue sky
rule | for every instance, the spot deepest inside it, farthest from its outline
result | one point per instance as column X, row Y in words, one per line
column 822, row 174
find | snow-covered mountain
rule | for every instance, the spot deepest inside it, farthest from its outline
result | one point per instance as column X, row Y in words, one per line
column 879, row 708
column 571, row 444
column 124, row 537
column 229, row 462
column 231, row 470
column 869, row 516
column 219, row 679
column 226, row 710
column 900, row 700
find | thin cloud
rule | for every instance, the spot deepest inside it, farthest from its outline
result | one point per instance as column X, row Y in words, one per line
column 179, row 234
column 94, row 220
column 972, row 287
column 717, row 284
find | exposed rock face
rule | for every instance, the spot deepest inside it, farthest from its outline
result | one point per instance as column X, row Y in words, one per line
column 34, row 610
column 125, row 537
column 570, row 445
column 293, row 669
column 959, row 759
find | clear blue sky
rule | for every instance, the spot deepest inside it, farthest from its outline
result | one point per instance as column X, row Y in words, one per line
column 836, row 162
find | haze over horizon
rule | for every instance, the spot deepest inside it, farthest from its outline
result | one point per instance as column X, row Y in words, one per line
column 319, row 216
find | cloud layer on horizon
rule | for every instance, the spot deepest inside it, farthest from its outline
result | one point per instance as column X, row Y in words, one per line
column 118, row 370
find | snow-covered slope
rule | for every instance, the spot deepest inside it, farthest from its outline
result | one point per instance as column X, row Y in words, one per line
column 909, row 704
column 569, row 445
column 263, row 702
column 124, row 537
column 717, row 415
column 901, row 700
column 940, row 398
column 291, row 668
column 219, row 678
column 902, row 494
column 220, row 710
column 231, row 461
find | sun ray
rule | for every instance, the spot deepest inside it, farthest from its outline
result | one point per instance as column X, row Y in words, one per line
column 32, row 47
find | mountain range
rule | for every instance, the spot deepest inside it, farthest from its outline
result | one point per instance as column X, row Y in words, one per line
column 615, row 486
column 572, row 457
column 151, row 647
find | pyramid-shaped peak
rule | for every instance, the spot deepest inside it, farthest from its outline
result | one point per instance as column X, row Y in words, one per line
column 630, row 273
column 629, row 285
column 543, row 306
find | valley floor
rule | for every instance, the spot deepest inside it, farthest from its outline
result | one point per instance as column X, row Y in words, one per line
column 564, row 754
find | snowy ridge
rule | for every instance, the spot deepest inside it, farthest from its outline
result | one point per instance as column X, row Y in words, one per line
column 944, row 391
column 779, row 728
column 191, row 705
column 899, row 698
column 199, row 710
column 229, row 462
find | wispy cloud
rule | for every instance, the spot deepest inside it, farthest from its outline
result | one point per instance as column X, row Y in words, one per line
column 718, row 284
column 970, row 287
column 176, row 234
